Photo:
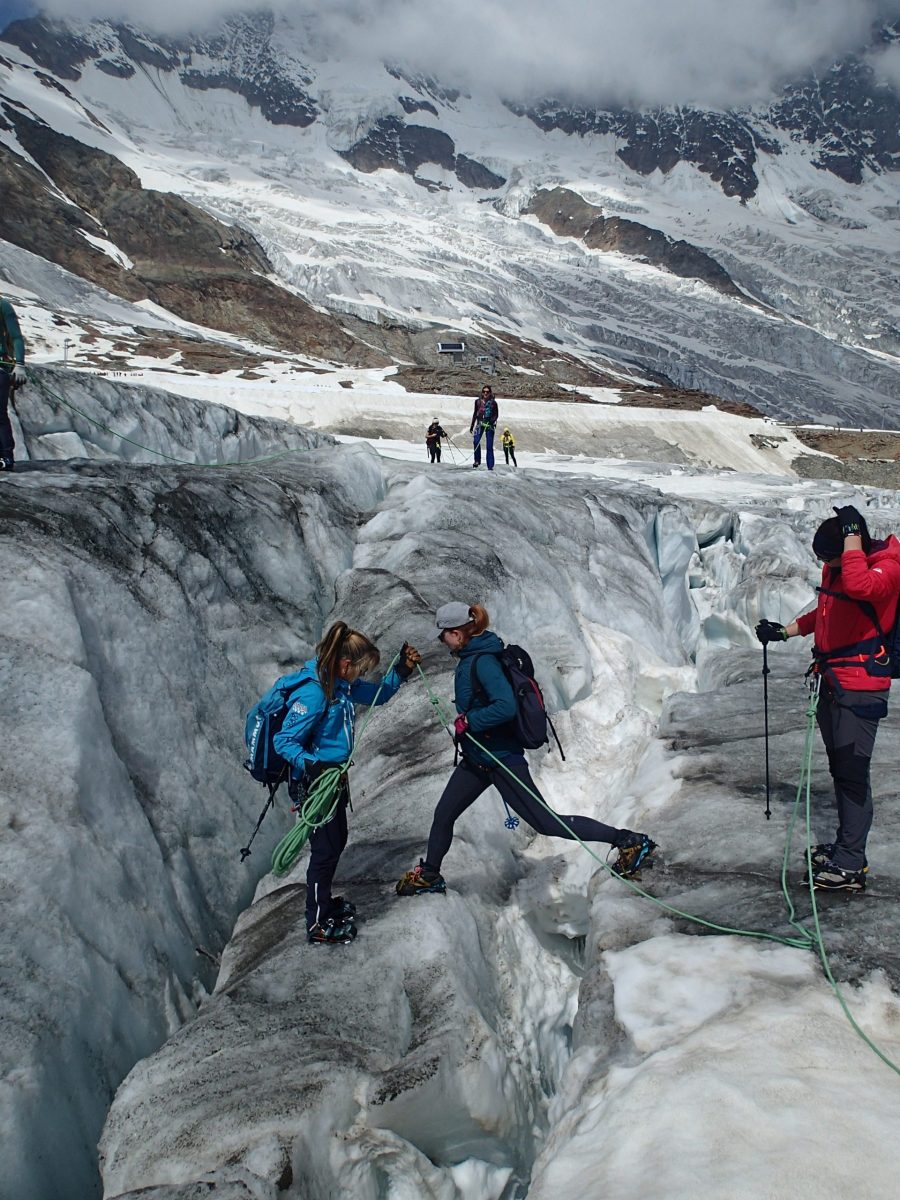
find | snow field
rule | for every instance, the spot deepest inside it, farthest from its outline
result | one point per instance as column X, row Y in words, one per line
column 738, row 1077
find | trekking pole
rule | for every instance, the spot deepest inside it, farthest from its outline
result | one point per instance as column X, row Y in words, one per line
column 245, row 850
column 452, row 447
column 765, row 675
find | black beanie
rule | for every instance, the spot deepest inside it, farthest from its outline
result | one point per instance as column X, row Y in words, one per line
column 828, row 542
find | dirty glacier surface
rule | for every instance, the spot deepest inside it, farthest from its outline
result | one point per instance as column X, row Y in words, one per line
column 540, row 1030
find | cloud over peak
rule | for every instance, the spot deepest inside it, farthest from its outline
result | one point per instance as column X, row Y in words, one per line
column 709, row 53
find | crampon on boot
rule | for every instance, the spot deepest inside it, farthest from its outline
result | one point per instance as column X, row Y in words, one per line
column 332, row 932
column 420, row 880
column 635, row 851
column 835, row 879
column 341, row 909
column 822, row 855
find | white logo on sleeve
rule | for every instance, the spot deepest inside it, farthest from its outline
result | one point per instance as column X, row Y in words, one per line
column 300, row 709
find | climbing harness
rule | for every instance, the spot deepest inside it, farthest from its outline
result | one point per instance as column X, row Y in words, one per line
column 806, row 939
column 321, row 801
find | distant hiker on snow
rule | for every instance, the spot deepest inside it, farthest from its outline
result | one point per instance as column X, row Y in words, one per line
column 12, row 375
column 509, row 447
column 486, row 704
column 484, row 419
column 433, row 440
column 318, row 733
column 856, row 610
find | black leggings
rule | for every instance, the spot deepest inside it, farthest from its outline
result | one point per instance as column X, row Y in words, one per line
column 467, row 783
column 7, row 442
column 326, row 845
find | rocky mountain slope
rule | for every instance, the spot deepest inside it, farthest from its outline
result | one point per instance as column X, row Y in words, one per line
column 750, row 254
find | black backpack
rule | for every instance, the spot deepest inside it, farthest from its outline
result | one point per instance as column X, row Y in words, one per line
column 531, row 722
column 883, row 649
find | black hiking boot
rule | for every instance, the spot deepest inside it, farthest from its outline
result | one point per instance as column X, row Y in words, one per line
column 822, row 855
column 341, row 909
column 835, row 879
column 421, row 880
column 332, row 932
column 635, row 851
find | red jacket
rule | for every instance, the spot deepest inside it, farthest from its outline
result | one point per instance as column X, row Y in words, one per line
column 838, row 621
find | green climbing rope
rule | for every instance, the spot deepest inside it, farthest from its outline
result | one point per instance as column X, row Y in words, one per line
column 322, row 800
column 818, row 940
column 806, row 940
column 801, row 943
column 316, row 810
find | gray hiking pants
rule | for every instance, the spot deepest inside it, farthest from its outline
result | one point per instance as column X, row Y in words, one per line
column 848, row 723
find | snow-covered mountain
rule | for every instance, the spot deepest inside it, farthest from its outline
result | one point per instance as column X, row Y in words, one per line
column 752, row 254
column 236, row 215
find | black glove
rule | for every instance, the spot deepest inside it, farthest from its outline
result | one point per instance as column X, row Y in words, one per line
column 850, row 521
column 406, row 664
column 771, row 631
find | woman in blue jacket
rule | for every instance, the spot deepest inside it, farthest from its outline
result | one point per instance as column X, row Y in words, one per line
column 486, row 703
column 318, row 733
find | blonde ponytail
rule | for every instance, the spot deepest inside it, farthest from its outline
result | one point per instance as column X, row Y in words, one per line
column 343, row 642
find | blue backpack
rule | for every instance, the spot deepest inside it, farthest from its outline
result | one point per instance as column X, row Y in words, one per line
column 264, row 721
column 531, row 722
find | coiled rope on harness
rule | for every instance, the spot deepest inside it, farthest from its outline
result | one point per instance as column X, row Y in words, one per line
column 321, row 801
column 806, row 939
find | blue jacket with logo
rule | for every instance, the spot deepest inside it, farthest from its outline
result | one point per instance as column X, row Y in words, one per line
column 489, row 707
column 316, row 731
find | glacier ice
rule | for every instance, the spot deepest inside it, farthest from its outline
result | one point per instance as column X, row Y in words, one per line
column 507, row 1038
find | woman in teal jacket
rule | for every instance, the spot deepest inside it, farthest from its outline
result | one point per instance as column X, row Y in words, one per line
column 486, row 705
column 318, row 733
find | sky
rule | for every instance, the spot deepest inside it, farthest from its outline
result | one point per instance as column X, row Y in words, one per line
column 631, row 52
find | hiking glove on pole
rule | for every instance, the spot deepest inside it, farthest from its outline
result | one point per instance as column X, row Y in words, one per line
column 770, row 631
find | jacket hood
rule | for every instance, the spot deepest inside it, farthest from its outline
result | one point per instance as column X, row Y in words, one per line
column 484, row 643
column 888, row 548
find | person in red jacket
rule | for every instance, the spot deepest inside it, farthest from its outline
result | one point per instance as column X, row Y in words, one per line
column 856, row 610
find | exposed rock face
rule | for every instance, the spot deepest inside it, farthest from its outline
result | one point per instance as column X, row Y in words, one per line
column 722, row 145
column 401, row 147
column 854, row 120
column 845, row 111
column 568, row 215
column 183, row 258
column 39, row 219
column 243, row 59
